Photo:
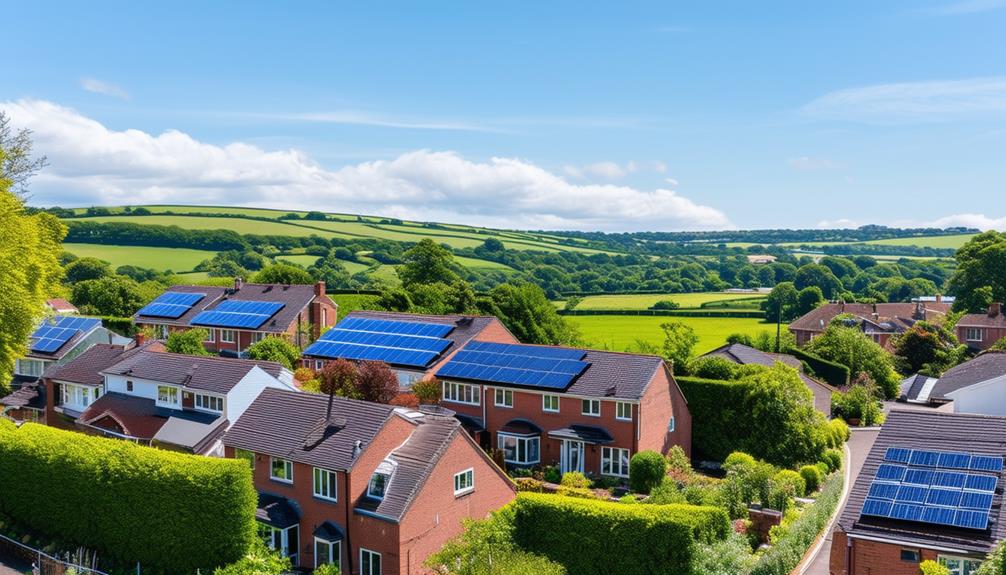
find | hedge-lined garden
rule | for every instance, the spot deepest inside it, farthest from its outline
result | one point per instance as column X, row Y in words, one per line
column 173, row 513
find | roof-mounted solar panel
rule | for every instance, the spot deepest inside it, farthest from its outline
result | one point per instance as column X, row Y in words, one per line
column 171, row 304
column 411, row 344
column 989, row 463
column 924, row 458
column 416, row 328
column 897, row 454
column 238, row 314
column 54, row 334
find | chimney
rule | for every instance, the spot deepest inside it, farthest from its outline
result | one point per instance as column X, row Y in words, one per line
column 238, row 283
column 319, row 289
column 939, row 298
column 140, row 339
column 995, row 309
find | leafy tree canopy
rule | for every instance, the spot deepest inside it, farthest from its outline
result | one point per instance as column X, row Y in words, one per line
column 980, row 277
column 275, row 349
column 87, row 269
column 428, row 262
column 849, row 346
column 189, row 342
column 282, row 274
column 679, row 342
column 528, row 314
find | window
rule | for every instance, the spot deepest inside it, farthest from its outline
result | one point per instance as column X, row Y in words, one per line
column 910, row 555
column 318, row 364
column 519, row 450
column 592, row 407
column 210, row 402
column 257, row 336
column 464, row 482
column 550, row 403
column 325, row 484
column 248, row 456
column 30, row 367
column 281, row 470
column 461, row 393
column 370, row 562
column 210, row 335
column 378, row 485
column 615, row 461
column 670, row 425
column 327, row 553
column 167, row 395
column 227, row 335
column 407, row 378
column 286, row 541
column 959, row 565
column 973, row 334
column 129, row 385
column 504, row 397
column 623, row 410
column 78, row 397
column 324, row 316
column 160, row 332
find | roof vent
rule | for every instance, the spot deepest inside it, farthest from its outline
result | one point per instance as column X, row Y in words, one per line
column 268, row 288
column 610, row 392
column 465, row 321
column 357, row 448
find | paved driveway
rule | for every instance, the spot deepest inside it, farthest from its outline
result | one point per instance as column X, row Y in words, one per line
column 860, row 443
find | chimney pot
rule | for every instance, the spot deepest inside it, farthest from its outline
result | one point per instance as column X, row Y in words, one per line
column 939, row 298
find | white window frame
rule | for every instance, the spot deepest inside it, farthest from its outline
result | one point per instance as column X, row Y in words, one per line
column 591, row 402
column 257, row 336
column 612, row 457
column 465, row 393
column 319, row 488
column 460, row 487
column 228, row 336
column 503, row 397
column 38, row 366
column 78, row 397
column 502, row 438
column 370, row 485
column 319, row 364
column 623, row 411
column 371, row 555
column 963, row 567
column 288, row 466
column 671, row 425
column 161, row 331
column 285, row 549
column 334, row 550
column 545, row 400
column 201, row 399
column 973, row 334
column 172, row 392
column 406, row 378
column 211, row 336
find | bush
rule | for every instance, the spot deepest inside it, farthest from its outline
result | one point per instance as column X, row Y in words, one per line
column 678, row 462
column 728, row 557
column 600, row 537
column 646, row 470
column 860, row 402
column 812, row 476
column 276, row 349
column 188, row 342
column 713, row 367
column 833, row 458
column 260, row 560
column 665, row 493
column 552, row 474
column 995, row 562
column 529, row 484
column 575, row 479
column 790, row 482
column 427, row 391
column 143, row 504
column 930, row 567
column 666, row 304
column 577, row 492
column 839, row 432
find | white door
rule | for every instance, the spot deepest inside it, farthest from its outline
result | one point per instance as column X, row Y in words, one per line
column 571, row 456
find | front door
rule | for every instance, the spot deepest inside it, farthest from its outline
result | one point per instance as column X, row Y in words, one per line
column 571, row 456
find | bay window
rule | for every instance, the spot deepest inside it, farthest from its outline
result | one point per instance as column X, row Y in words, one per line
column 520, row 450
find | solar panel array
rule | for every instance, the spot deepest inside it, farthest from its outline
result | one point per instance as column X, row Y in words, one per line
column 171, row 304
column 939, row 487
column 51, row 336
column 523, row 365
column 234, row 313
column 413, row 344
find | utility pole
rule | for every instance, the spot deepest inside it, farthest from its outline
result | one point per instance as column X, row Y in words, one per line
column 778, row 322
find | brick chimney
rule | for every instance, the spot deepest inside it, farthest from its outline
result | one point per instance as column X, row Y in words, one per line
column 939, row 298
column 238, row 283
column 319, row 289
column 140, row 338
column 995, row 309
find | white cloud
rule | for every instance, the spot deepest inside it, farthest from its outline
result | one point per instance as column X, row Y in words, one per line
column 980, row 221
column 104, row 88
column 91, row 164
column 840, row 223
column 808, row 163
column 359, row 118
column 912, row 101
column 969, row 7
column 613, row 170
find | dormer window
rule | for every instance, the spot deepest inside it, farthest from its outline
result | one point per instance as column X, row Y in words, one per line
column 380, row 479
column 168, row 396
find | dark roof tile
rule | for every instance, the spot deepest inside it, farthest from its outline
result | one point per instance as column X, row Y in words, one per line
column 988, row 365
column 207, row 373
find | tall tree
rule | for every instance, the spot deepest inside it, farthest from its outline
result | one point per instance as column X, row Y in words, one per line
column 679, row 342
column 980, row 277
column 525, row 311
column 17, row 164
column 282, row 274
column 780, row 305
column 275, row 349
column 851, row 347
column 428, row 262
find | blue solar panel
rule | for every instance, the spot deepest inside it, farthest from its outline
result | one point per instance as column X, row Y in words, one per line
column 54, row 334
column 418, row 328
column 413, row 344
column 907, row 511
column 948, row 479
column 919, row 477
column 337, row 350
column 912, row 494
column 171, row 304
column 954, row 460
column 898, row 454
column 981, row 482
column 242, row 314
column 925, row 458
column 947, row 497
column 979, row 500
column 883, row 490
column 523, row 365
column 939, row 515
column 877, row 508
column 527, row 350
column 986, row 463
column 889, row 472
column 972, row 519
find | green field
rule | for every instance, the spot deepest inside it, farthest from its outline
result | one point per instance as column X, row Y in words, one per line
column 952, row 242
column 482, row 265
column 644, row 301
column 619, row 332
column 175, row 259
column 352, row 302
column 239, row 225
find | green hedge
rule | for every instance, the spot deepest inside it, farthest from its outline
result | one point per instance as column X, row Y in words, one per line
column 718, row 415
column 666, row 312
column 120, row 325
column 173, row 513
column 833, row 373
column 591, row 537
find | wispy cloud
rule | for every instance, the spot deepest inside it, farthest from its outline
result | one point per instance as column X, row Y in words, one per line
column 104, row 88
column 912, row 101
column 968, row 7
column 810, row 164
column 613, row 170
column 359, row 118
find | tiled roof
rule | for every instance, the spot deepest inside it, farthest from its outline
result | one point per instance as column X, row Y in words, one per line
column 60, row 305
column 415, row 460
column 70, row 344
column 618, row 375
column 585, row 433
column 744, row 355
column 207, row 373
column 982, row 320
column 137, row 416
column 279, row 423
column 26, row 396
column 988, row 365
column 940, row 432
column 86, row 368
column 818, row 319
column 213, row 294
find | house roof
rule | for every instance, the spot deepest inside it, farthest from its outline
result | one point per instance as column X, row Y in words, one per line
column 931, row 431
column 137, row 416
column 279, row 423
column 87, row 367
column 91, row 325
column 986, row 366
column 917, row 388
column 60, row 305
column 414, row 461
column 982, row 320
column 31, row 396
column 293, row 297
column 585, row 433
column 747, row 355
column 276, row 511
column 207, row 373
column 898, row 314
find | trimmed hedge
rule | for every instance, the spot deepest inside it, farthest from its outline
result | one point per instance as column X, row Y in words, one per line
column 717, row 408
column 600, row 537
column 173, row 513
column 835, row 374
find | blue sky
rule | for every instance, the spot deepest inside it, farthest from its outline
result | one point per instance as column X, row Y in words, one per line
column 617, row 116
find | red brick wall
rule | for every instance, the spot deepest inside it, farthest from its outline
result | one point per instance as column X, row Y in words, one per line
column 803, row 336
column 662, row 400
column 990, row 335
column 873, row 558
column 436, row 514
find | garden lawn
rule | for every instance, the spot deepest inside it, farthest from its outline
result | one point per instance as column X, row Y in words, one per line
column 161, row 259
column 644, row 301
column 619, row 332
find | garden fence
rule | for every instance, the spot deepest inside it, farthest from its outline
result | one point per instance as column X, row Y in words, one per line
column 37, row 562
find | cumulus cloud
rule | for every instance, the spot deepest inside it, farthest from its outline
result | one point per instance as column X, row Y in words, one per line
column 837, row 224
column 92, row 164
column 810, row 164
column 980, row 221
column 104, row 88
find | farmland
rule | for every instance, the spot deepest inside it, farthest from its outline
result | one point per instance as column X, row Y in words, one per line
column 620, row 332
column 175, row 259
column 684, row 300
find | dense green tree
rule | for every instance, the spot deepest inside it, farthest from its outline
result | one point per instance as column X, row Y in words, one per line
column 785, row 427
column 84, row 269
column 275, row 349
column 528, row 314
column 331, row 270
column 282, row 274
column 980, row 277
column 492, row 245
column 849, row 346
column 679, row 342
column 783, row 297
column 428, row 262
column 808, row 300
column 820, row 276
column 188, row 342
column 18, row 163
column 928, row 347
column 116, row 296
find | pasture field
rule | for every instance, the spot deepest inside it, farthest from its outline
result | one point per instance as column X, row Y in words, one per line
column 174, row 259
column 239, row 225
column 619, row 332
column 352, row 302
column 477, row 264
column 301, row 260
column 644, row 301
column 952, row 242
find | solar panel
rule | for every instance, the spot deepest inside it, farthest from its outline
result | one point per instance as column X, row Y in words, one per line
column 242, row 314
column 954, row 460
column 924, row 458
column 912, row 494
column 898, row 454
column 527, row 350
column 971, row 519
column 981, row 482
column 171, row 304
column 877, row 508
column 413, row 344
column 975, row 500
column 883, row 490
column 523, row 365
column 938, row 515
column 906, row 511
column 54, row 334
column 986, row 463
column 947, row 497
column 418, row 328
column 891, row 472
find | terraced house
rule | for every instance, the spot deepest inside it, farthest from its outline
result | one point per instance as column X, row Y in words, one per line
column 239, row 316
column 372, row 488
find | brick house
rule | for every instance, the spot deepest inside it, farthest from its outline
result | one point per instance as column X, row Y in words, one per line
column 453, row 331
column 880, row 321
column 930, row 489
column 156, row 398
column 373, row 488
column 981, row 330
column 239, row 316
column 746, row 355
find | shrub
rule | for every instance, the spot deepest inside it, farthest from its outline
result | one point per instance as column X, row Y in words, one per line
column 812, row 476
column 930, row 567
column 728, row 557
column 823, row 468
column 575, row 479
column 628, row 499
column 839, row 431
column 833, row 458
column 529, row 484
column 678, row 462
column 260, row 560
column 143, row 504
column 665, row 493
column 577, row 492
column 188, row 342
column 303, row 374
column 791, row 483
column 275, row 349
column 995, row 562
column 835, row 374
column 666, row 304
column 646, row 470
column 427, row 391
column 552, row 474
column 713, row 367
column 860, row 402
column 600, row 537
